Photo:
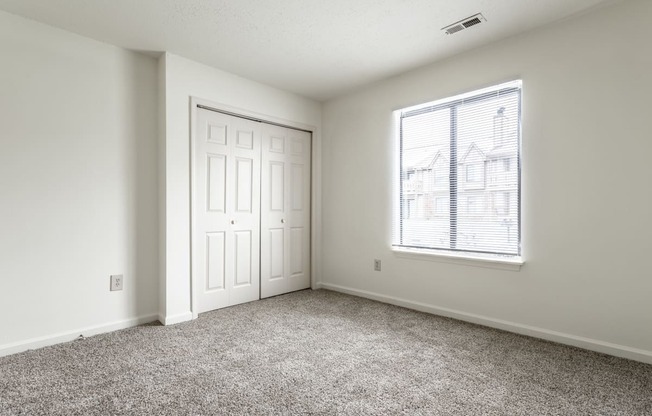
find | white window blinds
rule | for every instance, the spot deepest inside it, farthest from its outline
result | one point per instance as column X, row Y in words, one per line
column 459, row 164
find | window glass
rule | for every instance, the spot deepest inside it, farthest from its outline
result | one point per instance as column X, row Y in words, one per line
column 459, row 173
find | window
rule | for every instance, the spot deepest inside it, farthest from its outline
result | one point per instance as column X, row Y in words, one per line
column 441, row 173
column 501, row 203
column 474, row 173
column 474, row 205
column 459, row 137
column 442, row 206
column 498, row 168
column 411, row 208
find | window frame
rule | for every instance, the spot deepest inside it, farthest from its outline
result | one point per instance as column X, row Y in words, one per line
column 458, row 256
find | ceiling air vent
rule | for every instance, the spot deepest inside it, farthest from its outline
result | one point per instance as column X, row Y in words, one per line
column 464, row 24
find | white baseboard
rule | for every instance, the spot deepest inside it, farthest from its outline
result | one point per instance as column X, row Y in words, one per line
column 175, row 319
column 60, row 337
column 560, row 337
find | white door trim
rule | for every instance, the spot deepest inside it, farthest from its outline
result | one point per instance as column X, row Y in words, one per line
column 315, row 184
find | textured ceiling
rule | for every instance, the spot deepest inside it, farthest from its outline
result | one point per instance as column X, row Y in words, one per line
column 316, row 48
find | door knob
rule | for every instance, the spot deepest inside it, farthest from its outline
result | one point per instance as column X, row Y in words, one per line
column 282, row 221
column 232, row 221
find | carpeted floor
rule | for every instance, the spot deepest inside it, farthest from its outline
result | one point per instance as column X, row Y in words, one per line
column 320, row 352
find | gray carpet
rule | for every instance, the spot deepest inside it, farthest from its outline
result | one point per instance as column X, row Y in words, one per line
column 320, row 352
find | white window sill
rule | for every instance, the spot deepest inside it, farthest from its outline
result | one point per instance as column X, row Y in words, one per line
column 492, row 262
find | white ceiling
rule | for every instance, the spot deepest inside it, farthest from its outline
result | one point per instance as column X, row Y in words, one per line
column 316, row 48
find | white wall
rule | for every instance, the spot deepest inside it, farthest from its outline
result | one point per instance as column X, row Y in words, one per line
column 185, row 79
column 586, row 186
column 78, row 185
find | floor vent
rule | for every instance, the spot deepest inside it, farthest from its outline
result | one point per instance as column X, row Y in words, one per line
column 464, row 24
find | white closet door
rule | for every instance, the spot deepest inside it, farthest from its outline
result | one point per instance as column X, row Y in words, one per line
column 285, row 210
column 226, row 234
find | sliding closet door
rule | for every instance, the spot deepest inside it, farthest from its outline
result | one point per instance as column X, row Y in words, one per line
column 285, row 211
column 226, row 210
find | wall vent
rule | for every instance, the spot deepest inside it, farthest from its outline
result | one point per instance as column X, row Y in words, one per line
column 464, row 24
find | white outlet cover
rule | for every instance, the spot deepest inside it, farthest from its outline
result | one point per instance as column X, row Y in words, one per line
column 117, row 282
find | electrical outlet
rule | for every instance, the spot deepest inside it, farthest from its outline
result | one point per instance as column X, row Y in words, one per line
column 117, row 280
column 377, row 265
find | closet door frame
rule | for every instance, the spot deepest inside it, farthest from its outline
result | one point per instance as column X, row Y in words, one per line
column 194, row 104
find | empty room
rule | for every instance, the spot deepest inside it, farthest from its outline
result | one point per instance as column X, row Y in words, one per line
column 351, row 207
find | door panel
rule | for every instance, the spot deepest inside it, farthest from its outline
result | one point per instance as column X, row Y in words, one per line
column 299, row 212
column 245, row 212
column 296, row 251
column 277, row 144
column 276, row 247
column 215, row 244
column 243, row 184
column 216, row 183
column 243, row 256
column 226, row 210
column 297, row 181
column 285, row 216
column 297, row 146
column 276, row 185
column 245, row 139
column 216, row 132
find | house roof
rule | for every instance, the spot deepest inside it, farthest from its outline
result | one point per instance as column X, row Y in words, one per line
column 422, row 158
column 500, row 151
column 473, row 148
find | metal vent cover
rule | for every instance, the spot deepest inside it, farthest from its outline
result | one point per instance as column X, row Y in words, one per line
column 464, row 24
column 454, row 29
